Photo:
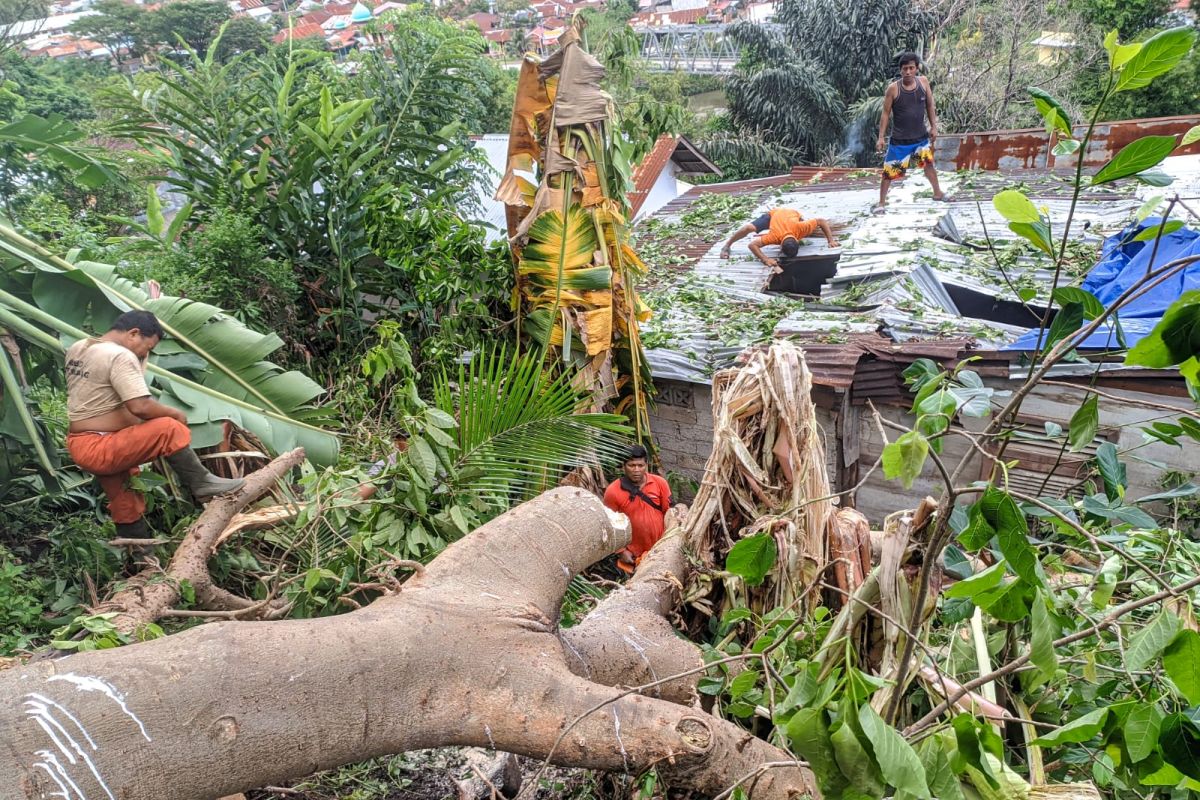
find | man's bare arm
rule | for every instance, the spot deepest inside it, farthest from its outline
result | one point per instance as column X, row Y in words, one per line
column 884, row 119
column 930, row 111
column 756, row 248
column 149, row 408
column 741, row 232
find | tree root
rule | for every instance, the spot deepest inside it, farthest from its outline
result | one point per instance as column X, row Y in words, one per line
column 468, row 654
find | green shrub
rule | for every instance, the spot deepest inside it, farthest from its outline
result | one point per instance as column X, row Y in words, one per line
column 224, row 262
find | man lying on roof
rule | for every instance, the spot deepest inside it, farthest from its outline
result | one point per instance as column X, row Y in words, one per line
column 784, row 227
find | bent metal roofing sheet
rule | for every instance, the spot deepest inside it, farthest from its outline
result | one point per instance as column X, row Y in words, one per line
column 899, row 285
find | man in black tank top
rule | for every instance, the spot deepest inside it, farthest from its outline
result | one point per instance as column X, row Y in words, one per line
column 906, row 104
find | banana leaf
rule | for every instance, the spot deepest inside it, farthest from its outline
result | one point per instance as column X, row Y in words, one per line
column 220, row 371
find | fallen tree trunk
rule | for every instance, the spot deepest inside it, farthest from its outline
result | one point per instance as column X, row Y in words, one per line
column 627, row 640
column 466, row 654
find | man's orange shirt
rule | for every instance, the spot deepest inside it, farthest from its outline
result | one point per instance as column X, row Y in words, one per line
column 787, row 222
column 646, row 523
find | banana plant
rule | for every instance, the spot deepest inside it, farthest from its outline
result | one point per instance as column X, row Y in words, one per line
column 576, row 272
column 209, row 365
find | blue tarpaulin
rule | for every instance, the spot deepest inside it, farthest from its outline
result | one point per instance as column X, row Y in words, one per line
column 1120, row 266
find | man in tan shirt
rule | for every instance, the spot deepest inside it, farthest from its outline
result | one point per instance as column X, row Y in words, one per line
column 116, row 426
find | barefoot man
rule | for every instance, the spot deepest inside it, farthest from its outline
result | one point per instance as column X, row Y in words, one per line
column 906, row 103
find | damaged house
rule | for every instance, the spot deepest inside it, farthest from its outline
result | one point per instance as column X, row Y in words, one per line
column 919, row 281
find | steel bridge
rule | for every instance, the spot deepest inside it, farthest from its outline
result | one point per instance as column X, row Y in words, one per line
column 703, row 49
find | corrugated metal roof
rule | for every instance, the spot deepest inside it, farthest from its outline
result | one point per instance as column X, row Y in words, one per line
column 494, row 146
column 893, row 297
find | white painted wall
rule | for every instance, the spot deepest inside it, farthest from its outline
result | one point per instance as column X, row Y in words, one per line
column 665, row 189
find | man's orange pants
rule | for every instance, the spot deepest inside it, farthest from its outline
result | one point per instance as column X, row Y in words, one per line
column 114, row 458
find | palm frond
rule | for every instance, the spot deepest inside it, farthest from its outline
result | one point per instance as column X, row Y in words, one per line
column 518, row 426
column 229, row 376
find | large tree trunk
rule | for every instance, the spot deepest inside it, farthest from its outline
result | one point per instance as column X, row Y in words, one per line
column 467, row 654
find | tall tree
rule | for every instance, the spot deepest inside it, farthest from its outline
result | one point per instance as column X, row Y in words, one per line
column 13, row 11
column 117, row 25
column 792, row 85
column 194, row 21
column 243, row 35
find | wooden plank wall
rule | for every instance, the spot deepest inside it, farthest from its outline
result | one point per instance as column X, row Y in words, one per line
column 1120, row 421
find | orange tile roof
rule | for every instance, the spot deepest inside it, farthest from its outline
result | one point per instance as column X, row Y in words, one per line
column 645, row 174
column 687, row 16
column 302, row 31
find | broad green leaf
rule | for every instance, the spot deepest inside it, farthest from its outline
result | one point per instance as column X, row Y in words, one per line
column 1192, row 135
column 861, row 686
column 440, row 418
column 1119, row 54
column 1155, row 231
column 1016, row 207
column 1186, row 490
column 422, row 457
column 1092, row 307
column 809, row 735
column 460, row 520
column 1043, row 628
column 1066, row 147
column 1052, row 112
column 956, row 564
column 1155, row 176
column 1067, row 322
column 984, row 581
column 1141, row 731
column 1181, row 660
column 1106, row 582
column 1009, row 603
column 853, row 759
column 1159, row 54
column 752, row 558
column 1112, row 471
column 1084, row 424
column 971, row 749
column 935, row 414
column 1140, row 154
column 1077, row 730
column 1179, row 741
column 997, row 514
column 943, row 783
column 1036, row 233
column 743, row 683
column 905, row 457
column 1174, row 339
column 1156, row 772
column 1147, row 208
column 897, row 760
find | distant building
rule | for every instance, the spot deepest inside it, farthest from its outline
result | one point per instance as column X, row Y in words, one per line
column 1053, row 47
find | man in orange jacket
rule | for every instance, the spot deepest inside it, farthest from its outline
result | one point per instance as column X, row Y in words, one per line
column 643, row 497
column 116, row 426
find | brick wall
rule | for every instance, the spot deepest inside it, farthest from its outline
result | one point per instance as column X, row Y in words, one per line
column 682, row 425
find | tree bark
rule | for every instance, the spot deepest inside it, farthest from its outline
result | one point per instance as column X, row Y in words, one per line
column 466, row 654
column 627, row 640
